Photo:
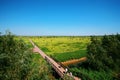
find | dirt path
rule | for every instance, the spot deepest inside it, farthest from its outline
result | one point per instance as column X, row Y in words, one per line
column 58, row 68
column 74, row 61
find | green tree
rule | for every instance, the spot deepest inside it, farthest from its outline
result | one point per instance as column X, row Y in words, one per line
column 15, row 58
column 104, row 54
column 17, row 62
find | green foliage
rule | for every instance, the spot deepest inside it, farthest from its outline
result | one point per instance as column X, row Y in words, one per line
column 88, row 74
column 104, row 54
column 40, row 69
column 96, row 54
column 14, row 58
column 17, row 62
column 112, row 45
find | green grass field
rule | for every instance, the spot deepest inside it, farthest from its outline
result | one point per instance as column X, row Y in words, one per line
column 63, row 48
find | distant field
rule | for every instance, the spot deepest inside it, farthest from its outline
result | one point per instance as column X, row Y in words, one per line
column 63, row 48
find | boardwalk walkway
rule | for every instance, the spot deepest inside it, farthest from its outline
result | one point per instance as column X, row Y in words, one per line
column 58, row 68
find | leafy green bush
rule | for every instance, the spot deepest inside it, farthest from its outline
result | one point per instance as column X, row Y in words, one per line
column 17, row 61
column 15, row 58
column 104, row 54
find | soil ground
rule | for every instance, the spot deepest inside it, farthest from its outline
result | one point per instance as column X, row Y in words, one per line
column 74, row 61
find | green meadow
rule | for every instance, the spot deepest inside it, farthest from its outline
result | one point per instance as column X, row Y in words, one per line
column 63, row 48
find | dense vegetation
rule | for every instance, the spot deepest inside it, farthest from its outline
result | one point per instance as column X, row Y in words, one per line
column 105, row 54
column 17, row 61
column 103, row 59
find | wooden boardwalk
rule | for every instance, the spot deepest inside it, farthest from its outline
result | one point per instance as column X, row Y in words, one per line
column 57, row 67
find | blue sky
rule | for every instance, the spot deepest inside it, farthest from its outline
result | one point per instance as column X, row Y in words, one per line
column 60, row 17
